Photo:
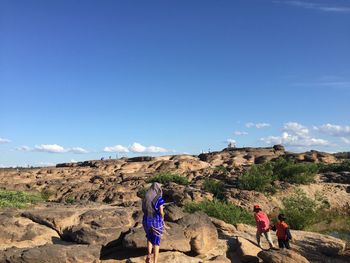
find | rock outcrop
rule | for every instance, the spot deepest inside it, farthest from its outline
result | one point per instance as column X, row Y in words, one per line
column 93, row 213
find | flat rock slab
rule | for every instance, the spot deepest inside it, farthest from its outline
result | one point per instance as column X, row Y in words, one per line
column 23, row 233
column 52, row 254
column 168, row 257
column 281, row 256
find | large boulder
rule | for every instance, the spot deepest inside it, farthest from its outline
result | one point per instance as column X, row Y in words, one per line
column 245, row 250
column 194, row 232
column 23, row 233
column 173, row 239
column 100, row 226
column 281, row 256
column 85, row 225
column 173, row 213
column 200, row 231
column 316, row 246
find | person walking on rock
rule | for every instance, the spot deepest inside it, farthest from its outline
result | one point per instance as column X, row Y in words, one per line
column 153, row 220
column 262, row 225
column 283, row 232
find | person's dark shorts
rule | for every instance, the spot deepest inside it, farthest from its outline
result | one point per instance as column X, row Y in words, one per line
column 282, row 243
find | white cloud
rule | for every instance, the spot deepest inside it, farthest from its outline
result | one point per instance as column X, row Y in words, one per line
column 3, row 140
column 155, row 149
column 135, row 148
column 116, row 148
column 78, row 150
column 297, row 135
column 317, row 6
column 23, row 148
column 240, row 133
column 73, row 161
column 345, row 140
column 334, row 130
column 139, row 148
column 257, row 125
column 296, row 128
column 50, row 148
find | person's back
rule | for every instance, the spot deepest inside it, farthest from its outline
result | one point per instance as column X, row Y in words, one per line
column 262, row 225
column 282, row 232
column 153, row 219
column 262, row 221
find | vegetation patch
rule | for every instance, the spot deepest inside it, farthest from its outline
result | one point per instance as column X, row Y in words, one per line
column 302, row 211
column 167, row 177
column 344, row 166
column 215, row 187
column 295, row 173
column 142, row 192
column 70, row 200
column 18, row 199
column 260, row 177
column 46, row 194
column 222, row 210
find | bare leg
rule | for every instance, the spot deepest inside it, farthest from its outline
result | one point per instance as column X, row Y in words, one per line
column 258, row 238
column 149, row 248
column 156, row 253
column 268, row 238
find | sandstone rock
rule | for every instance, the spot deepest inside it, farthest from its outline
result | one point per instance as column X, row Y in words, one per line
column 23, row 233
column 313, row 245
column 193, row 232
column 52, row 254
column 278, row 147
column 100, row 226
column 169, row 257
column 173, row 213
column 246, row 250
column 173, row 239
column 218, row 259
column 141, row 159
column 201, row 232
column 281, row 256
column 223, row 226
column 58, row 218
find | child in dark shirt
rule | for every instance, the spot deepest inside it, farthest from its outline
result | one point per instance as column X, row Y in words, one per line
column 283, row 232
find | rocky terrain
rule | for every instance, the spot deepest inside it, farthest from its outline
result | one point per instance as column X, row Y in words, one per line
column 93, row 211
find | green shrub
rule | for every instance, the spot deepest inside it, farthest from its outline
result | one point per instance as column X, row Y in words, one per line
column 166, row 177
column 70, row 199
column 258, row 178
column 296, row 173
column 302, row 211
column 221, row 210
column 46, row 194
column 142, row 192
column 215, row 187
column 18, row 199
column 344, row 166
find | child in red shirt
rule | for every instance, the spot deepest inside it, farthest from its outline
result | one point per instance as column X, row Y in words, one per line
column 262, row 225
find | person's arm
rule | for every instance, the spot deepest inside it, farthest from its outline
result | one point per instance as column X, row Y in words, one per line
column 273, row 228
column 161, row 210
column 289, row 235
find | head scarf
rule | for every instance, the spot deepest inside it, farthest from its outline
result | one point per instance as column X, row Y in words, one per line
column 151, row 197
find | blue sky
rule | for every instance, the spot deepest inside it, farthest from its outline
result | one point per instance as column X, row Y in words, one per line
column 84, row 79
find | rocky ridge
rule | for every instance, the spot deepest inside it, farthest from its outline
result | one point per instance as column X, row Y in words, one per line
column 94, row 214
